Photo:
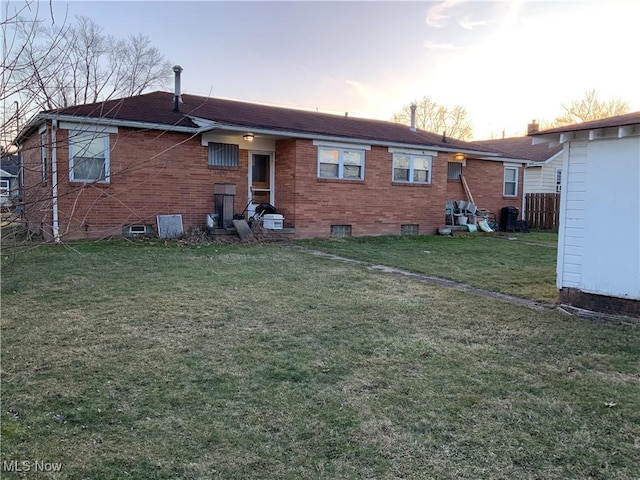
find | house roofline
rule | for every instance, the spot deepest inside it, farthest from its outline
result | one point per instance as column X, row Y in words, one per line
column 209, row 126
column 314, row 136
column 545, row 162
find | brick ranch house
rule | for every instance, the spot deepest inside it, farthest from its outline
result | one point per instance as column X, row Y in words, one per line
column 92, row 170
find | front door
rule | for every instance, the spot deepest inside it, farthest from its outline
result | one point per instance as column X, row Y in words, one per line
column 261, row 178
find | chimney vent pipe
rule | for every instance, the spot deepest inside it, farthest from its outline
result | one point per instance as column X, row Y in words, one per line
column 413, row 116
column 177, row 95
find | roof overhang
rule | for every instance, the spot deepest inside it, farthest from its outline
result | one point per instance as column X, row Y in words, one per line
column 205, row 125
column 41, row 118
column 590, row 134
column 209, row 126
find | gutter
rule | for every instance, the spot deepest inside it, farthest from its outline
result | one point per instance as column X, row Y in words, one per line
column 333, row 138
column 54, row 180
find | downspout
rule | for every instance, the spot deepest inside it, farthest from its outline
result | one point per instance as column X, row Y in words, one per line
column 54, row 180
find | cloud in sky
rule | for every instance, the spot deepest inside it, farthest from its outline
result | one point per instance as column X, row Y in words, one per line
column 436, row 15
column 469, row 24
column 431, row 45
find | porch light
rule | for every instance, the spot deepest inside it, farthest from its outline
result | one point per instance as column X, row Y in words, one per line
column 459, row 156
column 248, row 137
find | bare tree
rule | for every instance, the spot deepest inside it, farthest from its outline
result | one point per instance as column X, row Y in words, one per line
column 48, row 63
column 432, row 117
column 590, row 108
column 49, row 66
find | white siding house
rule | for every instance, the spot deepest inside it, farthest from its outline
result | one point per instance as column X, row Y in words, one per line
column 598, row 263
column 544, row 177
column 544, row 169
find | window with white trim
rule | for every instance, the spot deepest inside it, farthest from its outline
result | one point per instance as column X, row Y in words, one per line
column 44, row 155
column 411, row 168
column 558, row 180
column 4, row 188
column 88, row 157
column 340, row 162
column 510, row 188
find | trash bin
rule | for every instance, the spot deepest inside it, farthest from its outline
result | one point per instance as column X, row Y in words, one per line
column 509, row 219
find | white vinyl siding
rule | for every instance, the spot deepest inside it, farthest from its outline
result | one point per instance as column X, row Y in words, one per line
column 602, row 178
column 572, row 217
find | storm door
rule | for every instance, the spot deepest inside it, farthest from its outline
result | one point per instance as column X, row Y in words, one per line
column 261, row 178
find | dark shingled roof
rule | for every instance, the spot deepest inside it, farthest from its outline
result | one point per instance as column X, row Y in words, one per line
column 617, row 121
column 157, row 108
column 10, row 164
column 521, row 147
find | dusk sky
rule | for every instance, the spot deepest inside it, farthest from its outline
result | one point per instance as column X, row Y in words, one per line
column 505, row 62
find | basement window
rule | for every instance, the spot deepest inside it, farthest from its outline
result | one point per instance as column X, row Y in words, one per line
column 340, row 231
column 409, row 229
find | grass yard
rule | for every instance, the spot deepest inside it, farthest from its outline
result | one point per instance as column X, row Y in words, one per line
column 150, row 361
column 517, row 264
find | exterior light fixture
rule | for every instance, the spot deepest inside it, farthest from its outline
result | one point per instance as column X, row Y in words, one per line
column 248, row 137
column 459, row 156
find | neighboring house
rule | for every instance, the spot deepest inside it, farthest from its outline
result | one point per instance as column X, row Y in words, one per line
column 543, row 172
column 93, row 170
column 599, row 239
column 9, row 180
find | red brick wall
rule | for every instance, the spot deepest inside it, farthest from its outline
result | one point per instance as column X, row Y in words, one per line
column 156, row 173
column 486, row 181
column 152, row 173
column 36, row 193
column 374, row 206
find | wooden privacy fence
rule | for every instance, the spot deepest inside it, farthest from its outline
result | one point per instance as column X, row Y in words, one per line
column 542, row 210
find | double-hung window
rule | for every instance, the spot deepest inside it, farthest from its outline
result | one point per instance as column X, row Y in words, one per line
column 412, row 166
column 510, row 186
column 88, row 156
column 341, row 162
column 4, row 188
column 558, row 180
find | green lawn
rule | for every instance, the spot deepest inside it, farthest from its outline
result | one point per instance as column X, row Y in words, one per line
column 150, row 361
column 517, row 264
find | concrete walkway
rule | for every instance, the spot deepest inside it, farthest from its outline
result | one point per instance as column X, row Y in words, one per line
column 441, row 282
